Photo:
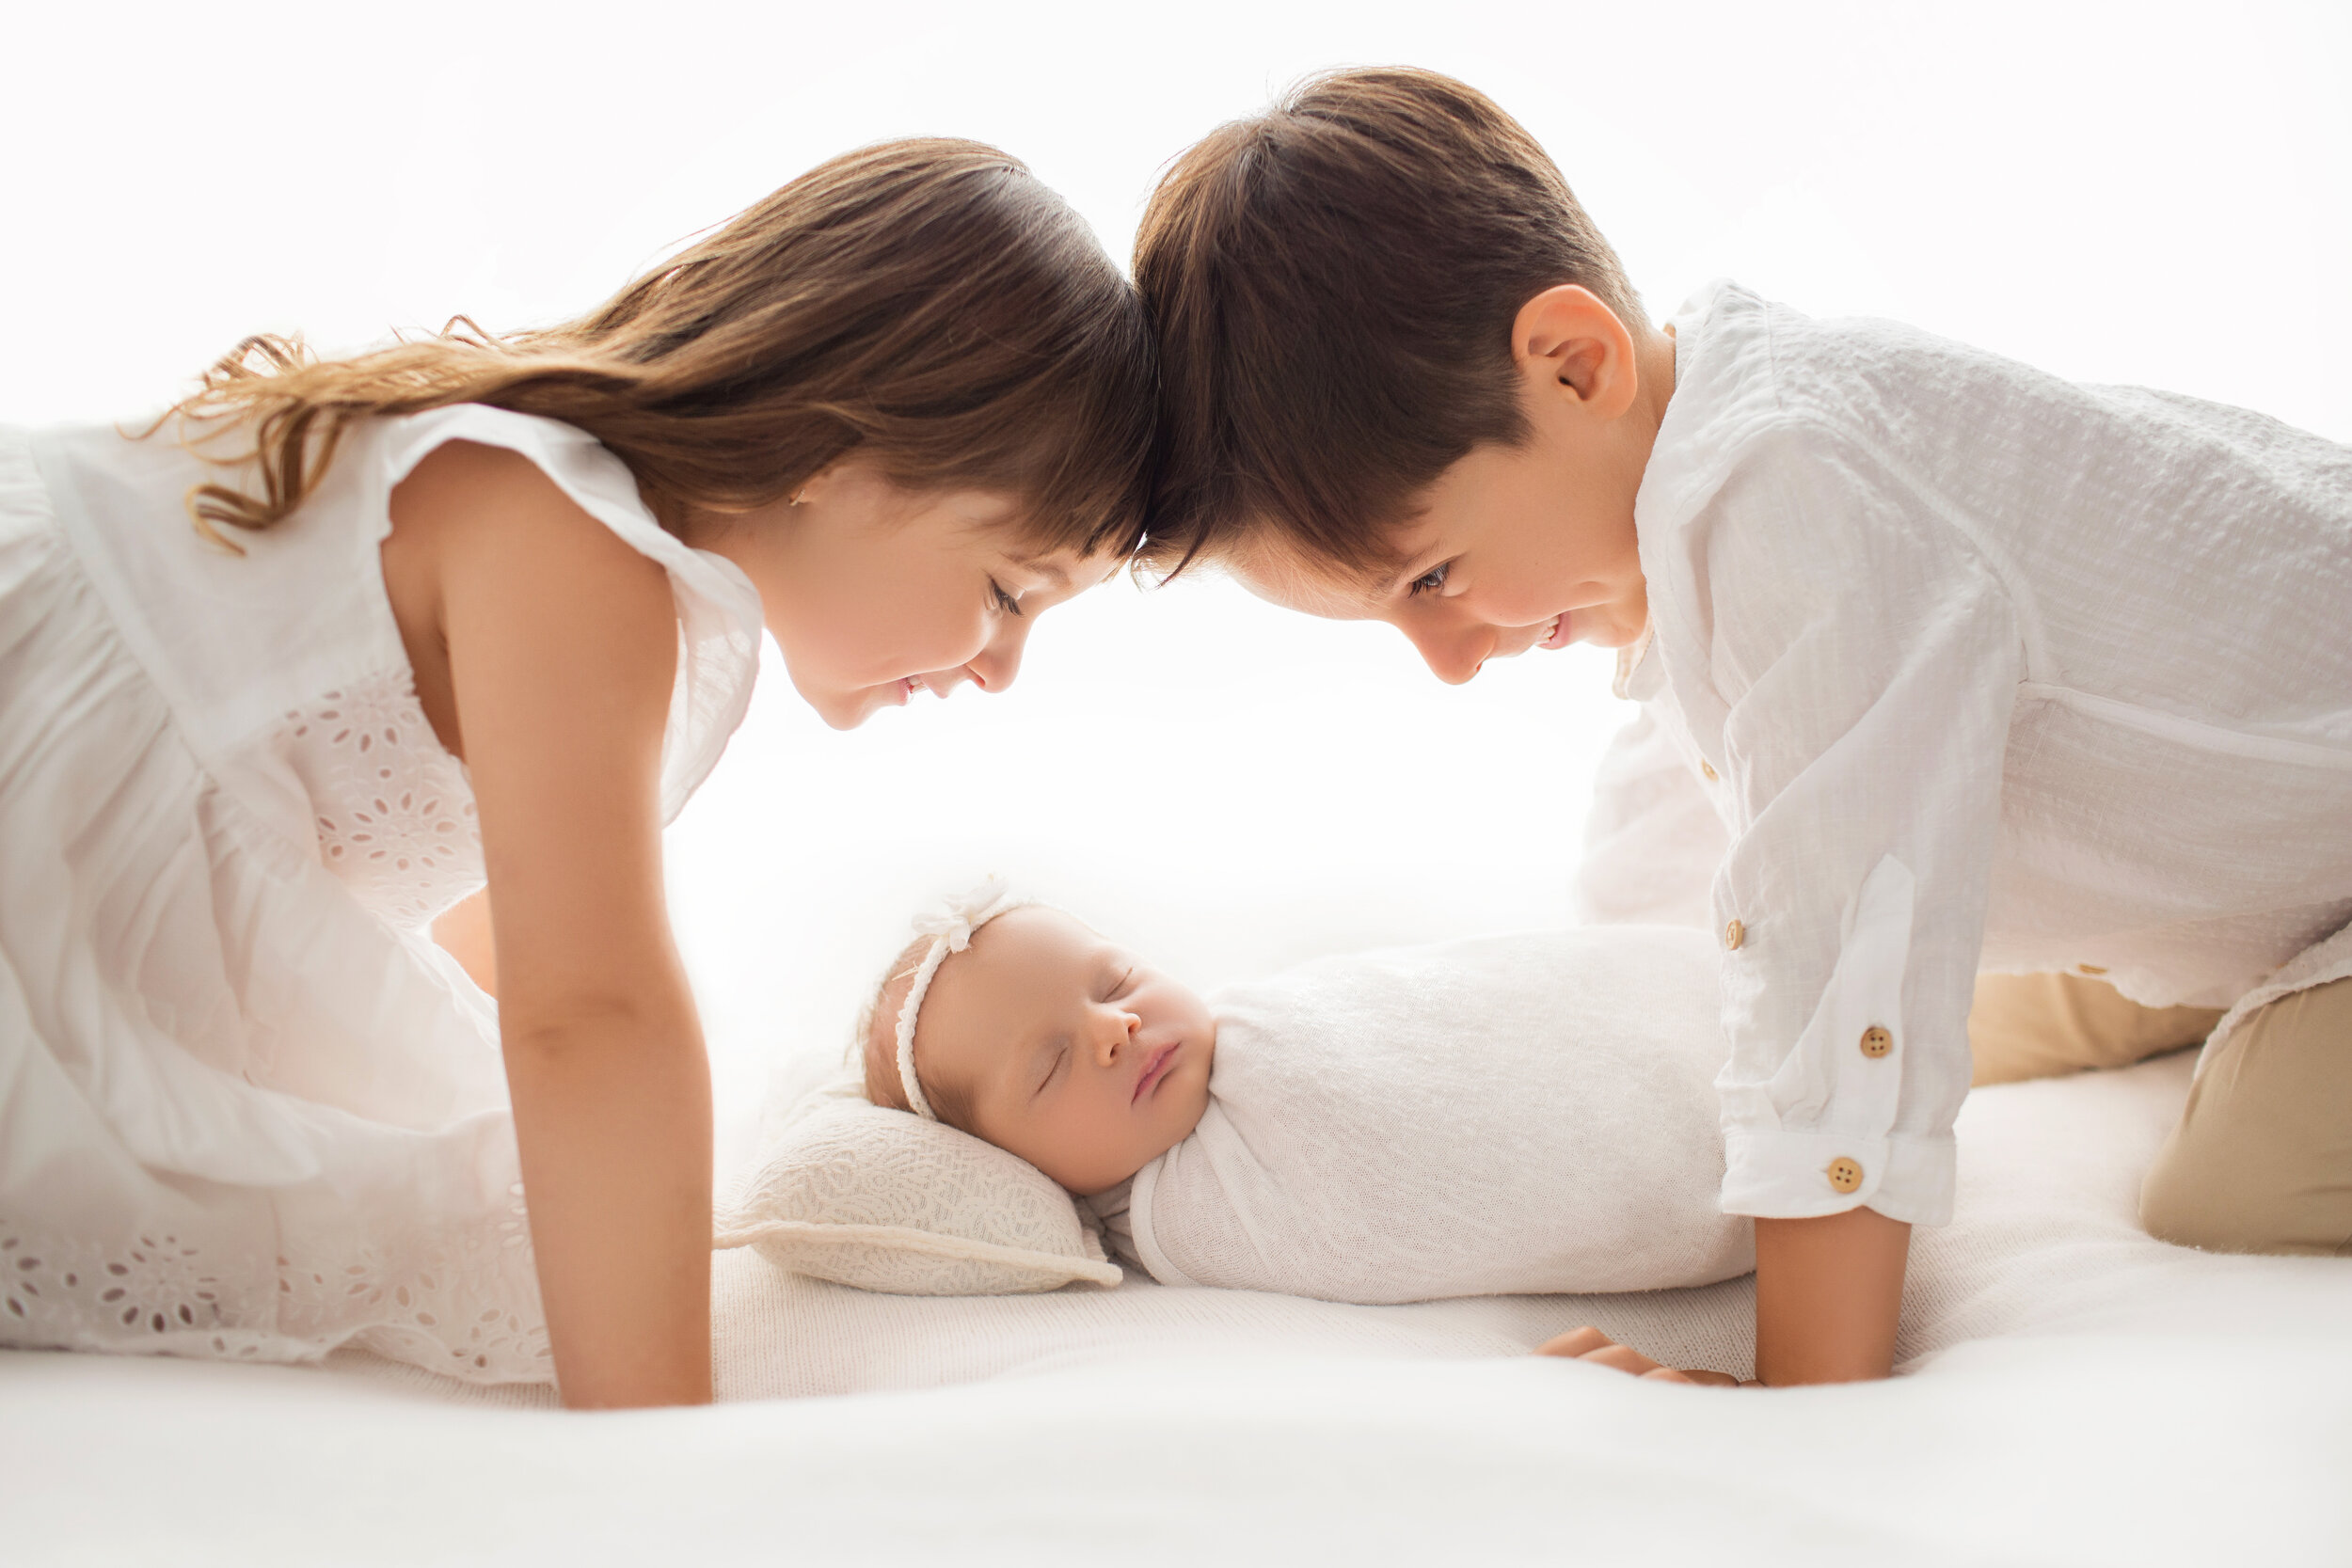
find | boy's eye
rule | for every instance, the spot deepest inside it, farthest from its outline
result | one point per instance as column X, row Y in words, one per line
column 1430, row 581
column 1004, row 601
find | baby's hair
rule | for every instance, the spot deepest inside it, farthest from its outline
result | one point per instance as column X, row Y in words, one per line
column 928, row 303
column 1333, row 282
column 878, row 1044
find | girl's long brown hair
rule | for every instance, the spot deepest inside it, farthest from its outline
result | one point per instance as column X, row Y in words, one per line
column 925, row 302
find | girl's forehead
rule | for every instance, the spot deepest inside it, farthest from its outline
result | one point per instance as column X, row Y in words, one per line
column 1067, row 570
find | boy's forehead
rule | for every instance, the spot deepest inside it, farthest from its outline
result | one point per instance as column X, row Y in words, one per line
column 1282, row 572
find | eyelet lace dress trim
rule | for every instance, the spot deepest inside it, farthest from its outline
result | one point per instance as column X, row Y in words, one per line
column 396, row 812
column 458, row 1298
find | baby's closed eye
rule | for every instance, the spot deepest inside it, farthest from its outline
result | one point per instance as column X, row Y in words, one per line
column 1056, row 1057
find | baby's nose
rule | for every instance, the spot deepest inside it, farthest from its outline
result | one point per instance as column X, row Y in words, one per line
column 1117, row 1030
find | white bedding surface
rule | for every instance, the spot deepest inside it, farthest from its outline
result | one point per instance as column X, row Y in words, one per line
column 2078, row 1393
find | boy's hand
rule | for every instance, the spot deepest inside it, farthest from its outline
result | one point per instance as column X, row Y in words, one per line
column 1591, row 1344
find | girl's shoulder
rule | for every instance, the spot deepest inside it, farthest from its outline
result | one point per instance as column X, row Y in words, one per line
column 718, row 609
column 237, row 633
column 574, row 461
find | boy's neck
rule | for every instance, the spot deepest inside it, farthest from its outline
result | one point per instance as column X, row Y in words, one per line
column 1654, row 352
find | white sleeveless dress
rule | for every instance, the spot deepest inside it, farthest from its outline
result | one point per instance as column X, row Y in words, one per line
column 248, row 1109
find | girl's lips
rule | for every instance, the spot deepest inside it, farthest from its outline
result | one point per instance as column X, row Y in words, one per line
column 1561, row 632
column 1154, row 1069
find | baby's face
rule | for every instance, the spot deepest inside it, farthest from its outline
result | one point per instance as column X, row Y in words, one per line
column 1075, row 1056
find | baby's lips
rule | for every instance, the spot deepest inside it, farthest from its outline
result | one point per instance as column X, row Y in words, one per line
column 1156, row 1064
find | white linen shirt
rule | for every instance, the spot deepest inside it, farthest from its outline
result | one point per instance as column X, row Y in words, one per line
column 1971, row 664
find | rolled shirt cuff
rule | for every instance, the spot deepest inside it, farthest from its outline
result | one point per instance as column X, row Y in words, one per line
column 1794, row 1175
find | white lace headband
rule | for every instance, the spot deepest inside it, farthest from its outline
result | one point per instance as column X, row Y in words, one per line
column 950, row 929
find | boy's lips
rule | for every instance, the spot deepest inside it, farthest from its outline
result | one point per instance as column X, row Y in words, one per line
column 1154, row 1069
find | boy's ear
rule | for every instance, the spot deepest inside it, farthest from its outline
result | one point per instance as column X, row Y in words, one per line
column 1566, row 341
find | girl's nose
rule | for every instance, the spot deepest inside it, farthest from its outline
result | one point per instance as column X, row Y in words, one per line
column 1000, row 661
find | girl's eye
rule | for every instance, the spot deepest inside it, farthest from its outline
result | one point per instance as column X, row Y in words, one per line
column 1430, row 581
column 1005, row 602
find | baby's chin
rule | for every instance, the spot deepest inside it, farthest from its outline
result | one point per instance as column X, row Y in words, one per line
column 1097, row 1183
column 1191, row 1083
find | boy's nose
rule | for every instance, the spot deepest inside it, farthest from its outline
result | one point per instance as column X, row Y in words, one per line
column 1453, row 652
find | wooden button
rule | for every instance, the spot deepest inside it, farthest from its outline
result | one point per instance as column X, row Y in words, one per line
column 1876, row 1042
column 1734, row 934
column 1844, row 1174
column 1708, row 769
column 2089, row 969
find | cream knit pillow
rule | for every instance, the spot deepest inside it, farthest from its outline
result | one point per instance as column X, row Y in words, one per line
column 884, row 1200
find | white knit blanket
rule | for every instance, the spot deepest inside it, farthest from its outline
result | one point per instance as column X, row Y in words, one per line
column 1518, row 1113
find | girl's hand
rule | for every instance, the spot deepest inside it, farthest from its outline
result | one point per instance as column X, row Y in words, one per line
column 1591, row 1344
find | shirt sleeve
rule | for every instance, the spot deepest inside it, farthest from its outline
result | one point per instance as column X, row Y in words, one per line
column 1866, row 658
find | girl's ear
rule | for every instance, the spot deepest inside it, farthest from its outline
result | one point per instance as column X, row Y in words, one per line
column 813, row 490
column 1566, row 341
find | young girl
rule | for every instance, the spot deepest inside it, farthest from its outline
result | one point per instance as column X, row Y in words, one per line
column 291, row 674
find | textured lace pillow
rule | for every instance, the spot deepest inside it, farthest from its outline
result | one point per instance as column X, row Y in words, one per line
column 884, row 1200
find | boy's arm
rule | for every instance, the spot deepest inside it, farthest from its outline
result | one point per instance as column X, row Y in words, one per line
column 1828, row 1294
column 1866, row 657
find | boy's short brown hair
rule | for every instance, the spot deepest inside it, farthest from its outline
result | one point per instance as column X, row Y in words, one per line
column 1333, row 283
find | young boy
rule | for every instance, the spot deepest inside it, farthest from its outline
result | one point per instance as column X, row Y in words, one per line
column 1969, row 661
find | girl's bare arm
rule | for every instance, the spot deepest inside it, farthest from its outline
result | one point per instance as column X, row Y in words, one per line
column 561, row 649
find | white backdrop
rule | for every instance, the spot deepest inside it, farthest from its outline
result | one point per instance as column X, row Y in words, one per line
column 2134, row 192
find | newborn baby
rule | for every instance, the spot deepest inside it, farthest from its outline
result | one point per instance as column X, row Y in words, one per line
column 1049, row 1042
column 1530, row 1113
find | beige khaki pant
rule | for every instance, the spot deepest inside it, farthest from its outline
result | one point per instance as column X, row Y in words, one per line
column 2261, row 1160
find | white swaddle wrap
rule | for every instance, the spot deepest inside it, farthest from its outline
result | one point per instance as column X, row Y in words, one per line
column 1524, row 1113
